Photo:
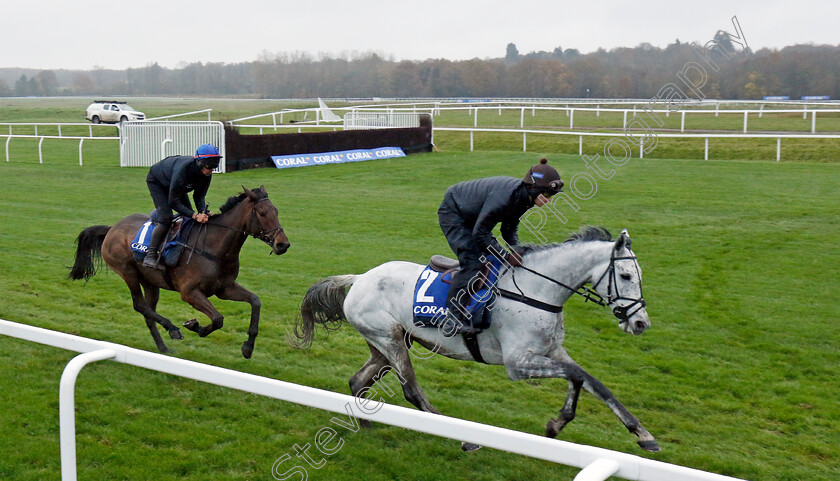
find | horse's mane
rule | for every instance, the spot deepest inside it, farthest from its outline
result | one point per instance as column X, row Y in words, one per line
column 235, row 200
column 585, row 234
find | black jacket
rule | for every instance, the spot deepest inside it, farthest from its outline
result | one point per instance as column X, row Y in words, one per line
column 180, row 174
column 481, row 204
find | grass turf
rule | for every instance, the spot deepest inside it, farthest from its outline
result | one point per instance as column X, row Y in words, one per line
column 736, row 376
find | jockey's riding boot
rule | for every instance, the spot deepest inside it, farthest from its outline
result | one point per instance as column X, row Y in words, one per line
column 153, row 254
column 152, row 260
column 463, row 326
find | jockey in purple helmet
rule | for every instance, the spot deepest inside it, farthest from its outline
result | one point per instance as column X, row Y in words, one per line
column 169, row 181
column 469, row 212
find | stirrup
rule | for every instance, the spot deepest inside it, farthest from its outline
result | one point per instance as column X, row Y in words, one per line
column 152, row 261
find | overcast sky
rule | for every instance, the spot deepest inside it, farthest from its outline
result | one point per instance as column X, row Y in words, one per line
column 84, row 34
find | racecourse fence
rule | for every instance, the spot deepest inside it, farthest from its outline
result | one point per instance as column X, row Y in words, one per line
column 143, row 146
column 56, row 131
column 597, row 464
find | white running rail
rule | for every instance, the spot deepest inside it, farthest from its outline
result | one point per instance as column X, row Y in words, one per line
column 597, row 464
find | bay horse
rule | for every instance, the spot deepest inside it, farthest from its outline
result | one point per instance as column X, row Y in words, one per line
column 526, row 334
column 208, row 266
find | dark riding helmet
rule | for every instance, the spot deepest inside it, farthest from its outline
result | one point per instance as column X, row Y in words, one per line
column 544, row 178
column 207, row 155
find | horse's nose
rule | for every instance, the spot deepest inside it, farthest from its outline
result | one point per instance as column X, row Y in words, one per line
column 281, row 247
column 640, row 326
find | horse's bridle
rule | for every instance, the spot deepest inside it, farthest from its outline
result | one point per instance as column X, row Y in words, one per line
column 263, row 235
column 621, row 312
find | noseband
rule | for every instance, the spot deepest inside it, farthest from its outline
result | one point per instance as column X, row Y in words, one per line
column 621, row 312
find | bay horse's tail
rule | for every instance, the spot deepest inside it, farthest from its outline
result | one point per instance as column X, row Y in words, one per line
column 322, row 304
column 88, row 252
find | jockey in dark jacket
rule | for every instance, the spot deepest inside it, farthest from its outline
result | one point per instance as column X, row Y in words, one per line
column 169, row 181
column 469, row 212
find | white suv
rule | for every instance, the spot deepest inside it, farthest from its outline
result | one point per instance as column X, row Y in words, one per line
column 111, row 111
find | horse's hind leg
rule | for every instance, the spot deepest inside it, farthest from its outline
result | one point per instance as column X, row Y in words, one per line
column 397, row 355
column 363, row 380
column 152, row 296
column 141, row 305
column 534, row 366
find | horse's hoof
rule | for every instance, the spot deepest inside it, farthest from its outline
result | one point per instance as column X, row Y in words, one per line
column 247, row 351
column 192, row 325
column 175, row 333
column 468, row 447
column 651, row 445
column 553, row 428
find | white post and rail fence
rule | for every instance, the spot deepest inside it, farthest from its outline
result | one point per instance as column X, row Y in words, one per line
column 142, row 143
column 596, row 464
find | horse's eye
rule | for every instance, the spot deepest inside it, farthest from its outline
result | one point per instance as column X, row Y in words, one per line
column 626, row 276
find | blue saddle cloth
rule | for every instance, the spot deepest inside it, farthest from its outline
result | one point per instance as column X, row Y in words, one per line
column 432, row 287
column 171, row 249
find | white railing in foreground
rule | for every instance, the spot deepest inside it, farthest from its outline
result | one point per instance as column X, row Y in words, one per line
column 597, row 464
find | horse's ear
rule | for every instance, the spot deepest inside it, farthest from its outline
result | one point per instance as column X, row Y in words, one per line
column 262, row 188
column 250, row 193
column 623, row 240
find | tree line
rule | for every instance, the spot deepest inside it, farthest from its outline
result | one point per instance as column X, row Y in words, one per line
column 637, row 72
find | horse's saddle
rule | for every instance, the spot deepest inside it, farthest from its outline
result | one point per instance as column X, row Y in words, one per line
column 432, row 288
column 173, row 243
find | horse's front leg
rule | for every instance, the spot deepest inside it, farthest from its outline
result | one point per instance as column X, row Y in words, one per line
column 199, row 301
column 534, row 366
column 236, row 292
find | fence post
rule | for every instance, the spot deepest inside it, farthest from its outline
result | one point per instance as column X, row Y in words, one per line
column 67, row 410
column 40, row 151
column 8, row 139
column 571, row 118
column 522, row 118
column 682, row 122
column 475, row 121
column 598, row 470
column 778, row 148
column 813, row 121
column 580, row 145
column 746, row 114
column 81, row 141
column 471, row 140
column 642, row 147
column 706, row 151
column 524, row 142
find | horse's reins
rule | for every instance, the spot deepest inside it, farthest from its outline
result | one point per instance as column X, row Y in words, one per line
column 588, row 294
column 264, row 236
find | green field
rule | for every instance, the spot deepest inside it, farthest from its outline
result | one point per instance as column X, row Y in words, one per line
column 737, row 375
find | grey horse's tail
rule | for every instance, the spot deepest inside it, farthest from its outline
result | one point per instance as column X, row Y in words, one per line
column 322, row 304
